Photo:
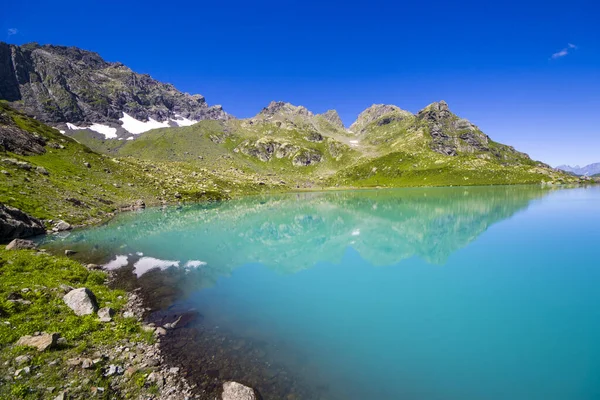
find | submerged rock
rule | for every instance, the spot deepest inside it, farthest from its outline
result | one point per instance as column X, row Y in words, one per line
column 82, row 301
column 237, row 391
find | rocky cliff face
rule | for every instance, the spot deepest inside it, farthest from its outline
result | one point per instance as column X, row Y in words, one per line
column 74, row 89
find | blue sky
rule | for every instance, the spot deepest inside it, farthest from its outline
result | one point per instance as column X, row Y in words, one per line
column 526, row 72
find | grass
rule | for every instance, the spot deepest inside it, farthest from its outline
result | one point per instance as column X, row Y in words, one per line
column 38, row 277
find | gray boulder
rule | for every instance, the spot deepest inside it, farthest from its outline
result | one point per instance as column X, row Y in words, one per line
column 106, row 314
column 14, row 223
column 82, row 301
column 41, row 342
column 21, row 244
column 237, row 391
column 62, row 226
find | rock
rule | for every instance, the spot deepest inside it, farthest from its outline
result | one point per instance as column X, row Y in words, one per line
column 20, row 244
column 73, row 362
column 61, row 396
column 139, row 205
column 237, row 391
column 156, row 377
column 113, row 370
column 41, row 342
column 62, row 226
column 82, row 301
column 106, row 314
column 23, row 371
column 86, row 363
column 20, row 360
column 93, row 266
column 87, row 164
column 14, row 223
column 42, row 170
column 160, row 331
column 70, row 252
column 65, row 288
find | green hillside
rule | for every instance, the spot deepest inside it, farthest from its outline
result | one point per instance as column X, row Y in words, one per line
column 64, row 179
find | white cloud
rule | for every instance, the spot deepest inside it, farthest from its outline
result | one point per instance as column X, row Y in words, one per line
column 12, row 31
column 564, row 51
column 560, row 54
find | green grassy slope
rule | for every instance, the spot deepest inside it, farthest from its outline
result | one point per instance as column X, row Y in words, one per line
column 76, row 193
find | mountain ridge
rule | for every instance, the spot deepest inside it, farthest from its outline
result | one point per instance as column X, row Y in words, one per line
column 587, row 170
column 76, row 89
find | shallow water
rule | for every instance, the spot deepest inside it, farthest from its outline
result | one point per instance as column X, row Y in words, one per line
column 450, row 293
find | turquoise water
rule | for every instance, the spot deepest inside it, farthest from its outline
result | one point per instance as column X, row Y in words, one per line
column 450, row 293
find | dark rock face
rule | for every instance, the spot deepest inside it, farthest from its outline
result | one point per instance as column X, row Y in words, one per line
column 452, row 135
column 17, row 140
column 66, row 84
column 307, row 157
column 14, row 223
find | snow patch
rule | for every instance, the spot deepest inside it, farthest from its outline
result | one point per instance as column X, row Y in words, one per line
column 74, row 127
column 107, row 131
column 194, row 264
column 61, row 131
column 136, row 127
column 146, row 264
column 130, row 138
column 182, row 121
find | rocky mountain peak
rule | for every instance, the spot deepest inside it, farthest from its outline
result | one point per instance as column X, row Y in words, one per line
column 375, row 112
column 71, row 88
column 333, row 118
column 435, row 111
column 283, row 108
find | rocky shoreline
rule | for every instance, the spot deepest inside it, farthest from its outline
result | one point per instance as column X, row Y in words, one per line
column 128, row 367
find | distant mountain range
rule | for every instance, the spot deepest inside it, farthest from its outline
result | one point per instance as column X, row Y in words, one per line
column 588, row 170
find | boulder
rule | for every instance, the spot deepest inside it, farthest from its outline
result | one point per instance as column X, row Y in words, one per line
column 82, row 301
column 237, row 391
column 21, row 244
column 62, row 226
column 41, row 342
column 106, row 314
column 14, row 223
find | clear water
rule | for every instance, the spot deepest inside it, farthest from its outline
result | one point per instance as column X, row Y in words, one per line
column 455, row 293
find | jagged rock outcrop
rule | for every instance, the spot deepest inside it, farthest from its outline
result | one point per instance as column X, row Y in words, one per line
column 59, row 84
column 280, row 107
column 333, row 118
column 14, row 223
column 451, row 135
column 17, row 140
column 376, row 111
